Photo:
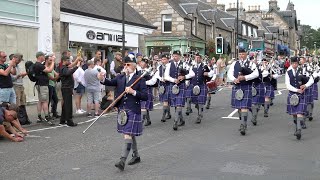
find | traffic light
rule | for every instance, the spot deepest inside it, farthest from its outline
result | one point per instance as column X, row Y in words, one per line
column 219, row 45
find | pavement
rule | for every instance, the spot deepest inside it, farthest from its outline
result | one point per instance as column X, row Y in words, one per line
column 213, row 149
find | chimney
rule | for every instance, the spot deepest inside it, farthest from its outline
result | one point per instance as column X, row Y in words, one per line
column 230, row 4
column 255, row 7
column 241, row 5
column 273, row 4
column 221, row 7
column 234, row 5
column 258, row 7
column 212, row 3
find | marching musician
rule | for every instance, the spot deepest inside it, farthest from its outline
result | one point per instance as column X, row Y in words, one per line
column 241, row 72
column 163, row 87
column 176, row 75
column 297, row 84
column 129, row 110
column 187, row 63
column 198, row 86
column 269, row 86
column 315, row 93
column 147, row 105
column 258, row 89
column 307, row 72
column 211, row 81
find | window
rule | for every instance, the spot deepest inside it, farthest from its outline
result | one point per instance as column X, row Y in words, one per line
column 166, row 23
column 244, row 30
column 195, row 26
column 255, row 33
column 25, row 10
column 249, row 31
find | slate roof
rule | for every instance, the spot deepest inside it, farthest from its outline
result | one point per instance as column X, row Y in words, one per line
column 105, row 9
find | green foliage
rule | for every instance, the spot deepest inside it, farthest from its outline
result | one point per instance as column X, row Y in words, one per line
column 310, row 37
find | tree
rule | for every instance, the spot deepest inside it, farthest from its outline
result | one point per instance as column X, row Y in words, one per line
column 310, row 37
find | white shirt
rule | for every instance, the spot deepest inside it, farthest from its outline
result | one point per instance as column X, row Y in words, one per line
column 113, row 72
column 248, row 77
column 78, row 77
column 155, row 78
column 167, row 76
column 289, row 86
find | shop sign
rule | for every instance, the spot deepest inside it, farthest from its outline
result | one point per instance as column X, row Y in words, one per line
column 104, row 36
column 158, row 43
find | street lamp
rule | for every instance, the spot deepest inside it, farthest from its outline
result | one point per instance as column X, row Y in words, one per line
column 123, row 28
column 237, row 35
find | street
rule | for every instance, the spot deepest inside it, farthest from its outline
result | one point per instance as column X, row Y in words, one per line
column 213, row 149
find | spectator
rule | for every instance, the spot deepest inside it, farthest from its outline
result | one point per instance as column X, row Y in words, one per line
column 19, row 90
column 91, row 77
column 41, row 74
column 221, row 70
column 99, row 68
column 106, row 100
column 117, row 65
column 53, row 77
column 67, row 85
column 7, row 93
column 79, row 88
column 8, row 116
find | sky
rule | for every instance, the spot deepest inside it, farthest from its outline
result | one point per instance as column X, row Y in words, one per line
column 308, row 11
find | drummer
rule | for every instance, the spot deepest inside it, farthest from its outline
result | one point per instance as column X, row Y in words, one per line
column 296, row 83
column 163, row 87
column 176, row 75
column 241, row 72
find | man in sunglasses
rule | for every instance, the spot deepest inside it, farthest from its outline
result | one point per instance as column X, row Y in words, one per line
column 7, row 93
column 129, row 109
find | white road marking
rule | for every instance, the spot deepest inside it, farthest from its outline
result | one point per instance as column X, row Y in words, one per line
column 84, row 122
column 230, row 117
column 280, row 92
column 75, row 169
column 146, row 148
column 220, row 89
column 32, row 136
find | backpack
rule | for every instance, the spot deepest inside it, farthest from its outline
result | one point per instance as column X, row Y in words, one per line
column 29, row 65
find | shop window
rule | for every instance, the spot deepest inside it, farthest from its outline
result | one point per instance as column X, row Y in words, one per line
column 255, row 33
column 166, row 23
column 249, row 31
column 25, row 10
column 244, row 30
column 194, row 26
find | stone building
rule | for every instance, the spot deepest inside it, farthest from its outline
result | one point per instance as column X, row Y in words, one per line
column 181, row 24
column 283, row 26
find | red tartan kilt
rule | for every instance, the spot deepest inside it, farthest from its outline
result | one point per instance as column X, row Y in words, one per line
column 212, row 85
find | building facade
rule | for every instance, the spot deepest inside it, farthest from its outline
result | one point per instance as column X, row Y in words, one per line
column 26, row 27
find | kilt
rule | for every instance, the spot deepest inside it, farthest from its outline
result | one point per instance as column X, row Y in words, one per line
column 259, row 98
column 177, row 100
column 202, row 97
column 269, row 90
column 165, row 96
column 148, row 104
column 315, row 91
column 246, row 102
column 309, row 94
column 133, row 126
column 301, row 108
column 188, row 93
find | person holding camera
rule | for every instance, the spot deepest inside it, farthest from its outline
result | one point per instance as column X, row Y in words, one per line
column 67, row 84
column 7, row 93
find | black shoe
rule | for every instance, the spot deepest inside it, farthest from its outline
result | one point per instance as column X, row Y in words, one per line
column 310, row 118
column 72, row 124
column 298, row 134
column 208, row 106
column 163, row 119
column 181, row 123
column 303, row 125
column 134, row 160
column 198, row 121
column 175, row 126
column 242, row 130
column 254, row 121
column 147, row 123
column 28, row 122
column 168, row 116
column 120, row 165
column 40, row 119
column 48, row 120
column 55, row 115
column 266, row 114
column 62, row 123
column 188, row 111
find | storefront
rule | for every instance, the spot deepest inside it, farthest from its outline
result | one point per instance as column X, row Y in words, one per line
column 96, row 34
column 168, row 45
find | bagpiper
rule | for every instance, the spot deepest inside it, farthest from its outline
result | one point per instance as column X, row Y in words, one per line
column 187, row 63
column 211, row 81
column 176, row 75
column 129, row 110
column 258, row 90
column 241, row 72
column 163, row 87
column 146, row 106
column 297, row 83
column 198, row 86
column 306, row 71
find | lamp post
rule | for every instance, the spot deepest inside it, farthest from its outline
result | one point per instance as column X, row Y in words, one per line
column 123, row 28
column 237, row 38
